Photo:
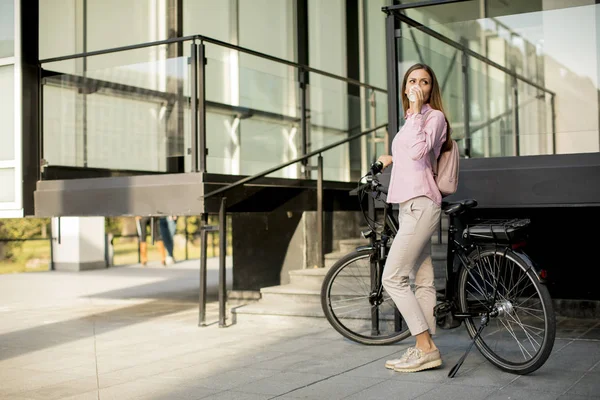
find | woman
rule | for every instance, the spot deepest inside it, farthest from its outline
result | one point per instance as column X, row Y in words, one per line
column 422, row 138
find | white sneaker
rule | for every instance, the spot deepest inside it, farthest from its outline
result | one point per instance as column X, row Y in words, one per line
column 419, row 361
column 391, row 364
column 170, row 260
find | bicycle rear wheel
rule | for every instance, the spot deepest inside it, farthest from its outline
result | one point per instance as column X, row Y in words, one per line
column 521, row 331
column 351, row 304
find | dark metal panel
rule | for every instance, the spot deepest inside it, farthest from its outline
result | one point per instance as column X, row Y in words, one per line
column 531, row 181
column 178, row 194
column 168, row 194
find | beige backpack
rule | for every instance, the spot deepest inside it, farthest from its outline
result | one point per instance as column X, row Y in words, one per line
column 445, row 170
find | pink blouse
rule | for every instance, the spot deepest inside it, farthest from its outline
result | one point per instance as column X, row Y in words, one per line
column 412, row 174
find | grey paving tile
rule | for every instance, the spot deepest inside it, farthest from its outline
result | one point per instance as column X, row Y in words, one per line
column 64, row 389
column 516, row 394
column 577, row 356
column 547, row 380
column 30, row 382
column 488, row 376
column 338, row 387
column 234, row 395
column 284, row 362
column 393, row 390
column 375, row 369
column 331, row 365
column 456, row 392
column 576, row 397
column 229, row 379
column 153, row 389
column 589, row 385
column 280, row 383
column 92, row 395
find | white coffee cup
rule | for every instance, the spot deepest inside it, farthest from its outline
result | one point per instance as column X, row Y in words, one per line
column 412, row 97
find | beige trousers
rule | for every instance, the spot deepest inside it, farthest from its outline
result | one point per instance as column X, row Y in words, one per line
column 410, row 253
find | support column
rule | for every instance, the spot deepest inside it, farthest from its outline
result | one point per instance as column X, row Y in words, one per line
column 78, row 244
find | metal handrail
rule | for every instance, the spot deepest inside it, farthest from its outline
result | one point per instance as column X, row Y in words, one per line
column 218, row 43
column 288, row 163
column 426, row 3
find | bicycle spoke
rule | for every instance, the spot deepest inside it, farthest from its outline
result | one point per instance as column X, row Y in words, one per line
column 535, row 316
column 523, row 349
column 517, row 321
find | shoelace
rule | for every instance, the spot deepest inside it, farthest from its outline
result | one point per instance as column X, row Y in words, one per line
column 412, row 352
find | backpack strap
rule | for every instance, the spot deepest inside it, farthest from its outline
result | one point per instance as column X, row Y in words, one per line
column 431, row 153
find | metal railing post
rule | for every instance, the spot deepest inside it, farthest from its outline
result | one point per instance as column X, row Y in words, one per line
column 553, row 110
column 203, row 151
column 515, row 115
column 194, row 105
column 51, row 248
column 185, row 221
column 222, row 266
column 320, row 230
column 466, row 104
column 373, row 109
column 303, row 120
column 202, row 291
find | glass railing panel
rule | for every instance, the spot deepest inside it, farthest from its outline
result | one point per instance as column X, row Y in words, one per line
column 267, row 145
column 131, row 110
column 535, row 121
column 335, row 114
column 252, row 114
column 490, row 118
column 124, row 116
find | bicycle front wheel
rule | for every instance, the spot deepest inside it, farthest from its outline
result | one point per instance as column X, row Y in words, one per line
column 357, row 306
column 522, row 326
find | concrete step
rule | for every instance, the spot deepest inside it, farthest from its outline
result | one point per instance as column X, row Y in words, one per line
column 302, row 296
column 331, row 258
column 304, row 302
column 349, row 245
column 293, row 292
column 285, row 309
column 310, row 276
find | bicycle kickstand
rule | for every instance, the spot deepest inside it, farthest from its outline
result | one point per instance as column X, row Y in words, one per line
column 454, row 370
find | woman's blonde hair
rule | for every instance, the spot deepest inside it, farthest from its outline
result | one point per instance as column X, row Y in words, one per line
column 435, row 98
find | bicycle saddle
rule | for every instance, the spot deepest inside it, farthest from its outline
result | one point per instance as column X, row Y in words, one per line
column 458, row 207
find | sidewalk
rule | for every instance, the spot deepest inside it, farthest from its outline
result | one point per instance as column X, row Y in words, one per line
column 131, row 333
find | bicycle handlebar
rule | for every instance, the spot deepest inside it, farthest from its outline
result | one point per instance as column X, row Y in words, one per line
column 372, row 185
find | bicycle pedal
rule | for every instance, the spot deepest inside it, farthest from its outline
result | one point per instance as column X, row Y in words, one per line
column 444, row 316
column 442, row 309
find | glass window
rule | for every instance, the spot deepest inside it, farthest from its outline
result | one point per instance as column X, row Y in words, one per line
column 115, row 23
column 7, row 28
column 375, row 61
column 60, row 28
column 7, row 113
